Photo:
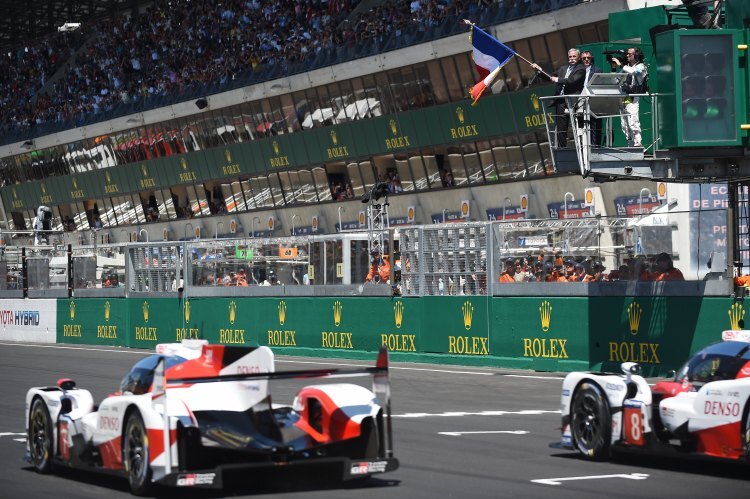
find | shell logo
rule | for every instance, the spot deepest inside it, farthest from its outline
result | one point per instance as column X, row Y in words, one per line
column 524, row 202
column 661, row 190
column 410, row 214
column 589, row 196
column 464, row 209
column 270, row 223
column 361, row 218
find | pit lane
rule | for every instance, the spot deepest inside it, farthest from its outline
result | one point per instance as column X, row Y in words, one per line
column 458, row 431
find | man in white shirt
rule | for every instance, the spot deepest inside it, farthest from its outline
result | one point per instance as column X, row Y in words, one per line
column 630, row 118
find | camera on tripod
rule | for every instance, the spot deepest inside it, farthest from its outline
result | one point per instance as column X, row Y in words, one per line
column 619, row 54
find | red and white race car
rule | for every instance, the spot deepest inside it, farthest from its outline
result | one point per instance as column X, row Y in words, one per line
column 703, row 410
column 218, row 416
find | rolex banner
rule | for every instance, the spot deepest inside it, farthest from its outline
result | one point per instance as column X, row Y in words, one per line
column 546, row 333
column 92, row 321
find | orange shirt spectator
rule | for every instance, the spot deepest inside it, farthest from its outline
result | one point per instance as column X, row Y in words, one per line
column 380, row 268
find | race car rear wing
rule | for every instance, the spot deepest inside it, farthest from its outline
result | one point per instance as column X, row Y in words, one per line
column 380, row 387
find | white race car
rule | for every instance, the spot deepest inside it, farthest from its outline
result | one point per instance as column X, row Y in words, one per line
column 703, row 410
column 218, row 416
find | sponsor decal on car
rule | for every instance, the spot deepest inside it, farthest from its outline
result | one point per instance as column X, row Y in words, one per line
column 566, row 393
column 716, row 408
column 614, row 387
column 368, row 467
column 192, row 479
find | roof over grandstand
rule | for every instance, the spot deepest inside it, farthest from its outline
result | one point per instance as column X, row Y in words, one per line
column 23, row 22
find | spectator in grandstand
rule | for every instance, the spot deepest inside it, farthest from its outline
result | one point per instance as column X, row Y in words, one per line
column 68, row 224
column 380, row 269
column 596, row 123
column 558, row 261
column 630, row 119
column 569, row 80
column 509, row 273
column 554, row 273
column 242, row 278
column 570, row 268
column 666, row 270
column 449, row 180
column 580, row 273
column 597, row 272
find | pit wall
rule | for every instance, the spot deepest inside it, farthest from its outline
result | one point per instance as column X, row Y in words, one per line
column 539, row 333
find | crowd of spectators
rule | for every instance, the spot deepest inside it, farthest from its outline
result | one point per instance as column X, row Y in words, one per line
column 24, row 71
column 555, row 268
column 176, row 45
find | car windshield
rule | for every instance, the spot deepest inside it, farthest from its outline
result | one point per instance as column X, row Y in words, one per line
column 140, row 377
column 718, row 362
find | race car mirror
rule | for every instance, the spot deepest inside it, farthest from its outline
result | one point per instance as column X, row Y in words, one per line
column 631, row 368
column 670, row 374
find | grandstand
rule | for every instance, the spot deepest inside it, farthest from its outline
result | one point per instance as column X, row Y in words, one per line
column 156, row 116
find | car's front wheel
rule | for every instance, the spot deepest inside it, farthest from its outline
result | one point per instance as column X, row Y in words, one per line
column 40, row 437
column 591, row 422
column 135, row 455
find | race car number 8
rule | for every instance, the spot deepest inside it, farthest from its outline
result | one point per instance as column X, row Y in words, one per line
column 633, row 426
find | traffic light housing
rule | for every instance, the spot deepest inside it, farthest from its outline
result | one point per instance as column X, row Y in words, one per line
column 701, row 96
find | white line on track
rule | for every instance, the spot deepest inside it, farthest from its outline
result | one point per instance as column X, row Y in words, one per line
column 11, row 434
column 482, row 413
column 19, row 439
column 532, row 377
column 461, row 433
column 556, row 481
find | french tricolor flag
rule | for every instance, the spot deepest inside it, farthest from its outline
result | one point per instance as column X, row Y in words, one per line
column 489, row 57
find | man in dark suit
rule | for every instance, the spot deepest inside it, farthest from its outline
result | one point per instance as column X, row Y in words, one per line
column 591, row 70
column 569, row 81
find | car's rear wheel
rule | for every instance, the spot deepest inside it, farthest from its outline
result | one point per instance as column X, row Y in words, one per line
column 135, row 455
column 591, row 422
column 40, row 437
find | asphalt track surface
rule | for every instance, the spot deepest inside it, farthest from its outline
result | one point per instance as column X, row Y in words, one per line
column 514, row 415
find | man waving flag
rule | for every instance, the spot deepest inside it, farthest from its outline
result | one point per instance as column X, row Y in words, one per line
column 489, row 57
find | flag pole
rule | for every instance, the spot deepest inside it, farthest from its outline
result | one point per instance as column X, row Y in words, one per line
column 468, row 22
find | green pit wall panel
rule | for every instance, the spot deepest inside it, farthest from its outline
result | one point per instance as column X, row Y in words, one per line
column 539, row 333
column 93, row 321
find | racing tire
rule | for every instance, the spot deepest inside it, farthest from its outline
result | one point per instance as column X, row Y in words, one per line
column 135, row 455
column 40, row 437
column 591, row 422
